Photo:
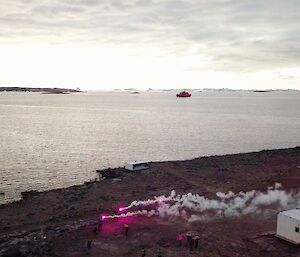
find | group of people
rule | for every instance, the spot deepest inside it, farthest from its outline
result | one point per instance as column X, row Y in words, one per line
column 192, row 241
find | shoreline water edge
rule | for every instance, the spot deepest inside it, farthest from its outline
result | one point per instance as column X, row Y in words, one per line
column 117, row 172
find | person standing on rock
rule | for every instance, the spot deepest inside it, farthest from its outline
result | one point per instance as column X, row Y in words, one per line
column 188, row 238
column 159, row 253
column 143, row 252
column 89, row 244
column 191, row 243
column 100, row 223
column 95, row 230
column 196, row 238
column 180, row 238
column 126, row 227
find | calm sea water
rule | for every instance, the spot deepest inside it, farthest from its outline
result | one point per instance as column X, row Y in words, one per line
column 52, row 141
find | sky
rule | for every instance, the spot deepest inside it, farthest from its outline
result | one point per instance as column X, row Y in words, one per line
column 109, row 44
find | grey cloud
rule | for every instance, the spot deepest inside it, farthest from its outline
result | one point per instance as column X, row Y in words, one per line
column 234, row 35
column 56, row 10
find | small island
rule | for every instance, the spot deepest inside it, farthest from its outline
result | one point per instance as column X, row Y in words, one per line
column 40, row 90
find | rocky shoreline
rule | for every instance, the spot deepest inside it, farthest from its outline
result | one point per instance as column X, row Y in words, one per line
column 36, row 225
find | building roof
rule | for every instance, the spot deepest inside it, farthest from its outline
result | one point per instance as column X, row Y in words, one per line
column 294, row 213
column 136, row 162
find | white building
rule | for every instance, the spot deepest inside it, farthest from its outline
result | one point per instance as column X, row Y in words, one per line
column 133, row 166
column 288, row 226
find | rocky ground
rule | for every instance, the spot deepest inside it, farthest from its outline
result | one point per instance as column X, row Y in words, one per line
column 59, row 222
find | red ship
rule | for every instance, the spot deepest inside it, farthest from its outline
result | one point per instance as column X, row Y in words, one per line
column 184, row 94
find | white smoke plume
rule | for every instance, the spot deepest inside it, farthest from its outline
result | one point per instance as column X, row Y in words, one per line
column 221, row 195
column 194, row 207
column 230, row 204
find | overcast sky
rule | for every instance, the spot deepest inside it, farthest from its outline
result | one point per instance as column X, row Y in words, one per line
column 106, row 44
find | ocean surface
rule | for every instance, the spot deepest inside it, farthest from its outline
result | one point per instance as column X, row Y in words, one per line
column 52, row 141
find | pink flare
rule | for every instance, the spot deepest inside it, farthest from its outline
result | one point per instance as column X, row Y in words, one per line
column 103, row 217
column 180, row 237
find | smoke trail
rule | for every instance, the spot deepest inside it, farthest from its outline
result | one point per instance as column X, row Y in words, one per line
column 157, row 199
column 129, row 214
column 192, row 207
